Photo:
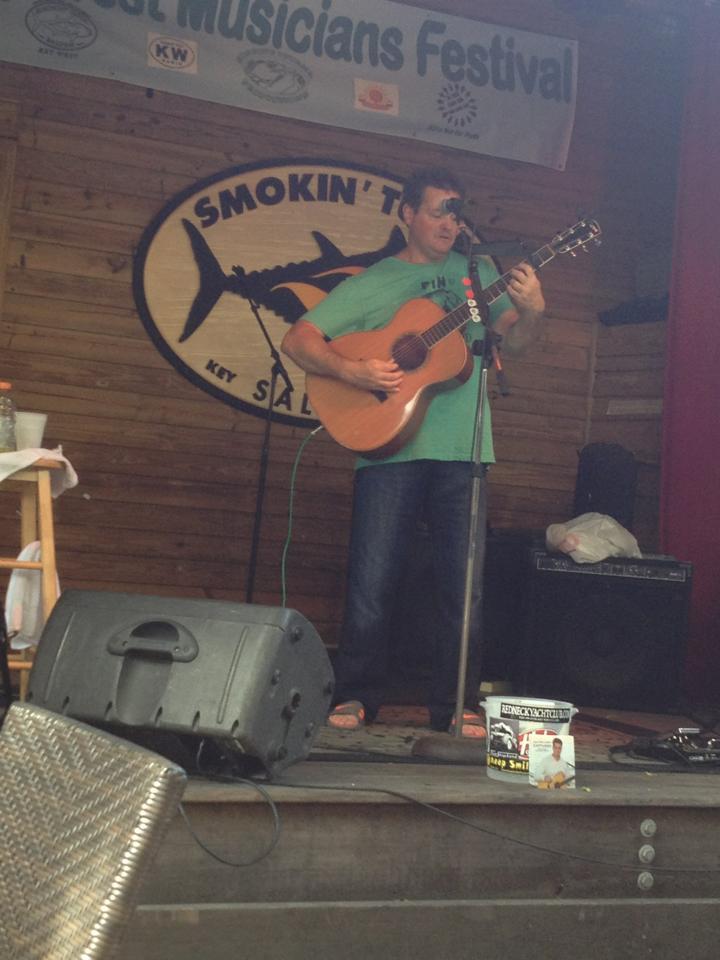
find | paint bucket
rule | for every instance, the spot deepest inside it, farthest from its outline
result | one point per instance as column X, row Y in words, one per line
column 510, row 721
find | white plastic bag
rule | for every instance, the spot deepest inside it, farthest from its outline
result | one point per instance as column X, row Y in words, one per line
column 591, row 537
column 24, row 602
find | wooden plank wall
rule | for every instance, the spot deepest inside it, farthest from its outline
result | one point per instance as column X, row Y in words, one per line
column 166, row 501
column 629, row 362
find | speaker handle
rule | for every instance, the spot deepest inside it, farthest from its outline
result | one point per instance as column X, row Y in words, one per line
column 164, row 639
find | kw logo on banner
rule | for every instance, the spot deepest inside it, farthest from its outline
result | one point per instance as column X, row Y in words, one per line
column 170, row 53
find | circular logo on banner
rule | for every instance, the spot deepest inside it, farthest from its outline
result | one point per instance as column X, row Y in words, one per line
column 60, row 25
column 247, row 252
column 276, row 77
column 457, row 105
column 171, row 53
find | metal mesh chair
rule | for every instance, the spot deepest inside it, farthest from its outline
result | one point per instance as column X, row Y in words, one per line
column 82, row 814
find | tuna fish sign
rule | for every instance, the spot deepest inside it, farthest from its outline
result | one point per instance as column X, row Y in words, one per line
column 281, row 234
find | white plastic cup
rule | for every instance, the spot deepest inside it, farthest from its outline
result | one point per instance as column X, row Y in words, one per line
column 29, row 429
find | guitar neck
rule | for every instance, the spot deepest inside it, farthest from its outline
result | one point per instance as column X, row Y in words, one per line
column 460, row 316
column 536, row 260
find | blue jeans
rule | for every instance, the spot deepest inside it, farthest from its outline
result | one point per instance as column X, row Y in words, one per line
column 389, row 499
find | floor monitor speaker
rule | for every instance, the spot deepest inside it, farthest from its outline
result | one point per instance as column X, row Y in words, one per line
column 608, row 634
column 248, row 684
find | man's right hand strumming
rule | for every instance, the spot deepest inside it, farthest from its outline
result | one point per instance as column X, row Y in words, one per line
column 383, row 375
column 307, row 347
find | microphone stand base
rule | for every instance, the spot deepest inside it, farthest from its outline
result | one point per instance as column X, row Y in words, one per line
column 451, row 748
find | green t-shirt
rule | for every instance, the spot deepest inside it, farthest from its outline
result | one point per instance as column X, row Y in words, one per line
column 369, row 301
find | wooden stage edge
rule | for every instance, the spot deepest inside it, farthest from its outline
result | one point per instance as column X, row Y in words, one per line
column 625, row 865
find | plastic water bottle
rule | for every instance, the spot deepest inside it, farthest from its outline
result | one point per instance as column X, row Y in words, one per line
column 7, row 418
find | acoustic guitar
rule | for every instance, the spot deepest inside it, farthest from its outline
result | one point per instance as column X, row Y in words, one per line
column 429, row 347
column 557, row 782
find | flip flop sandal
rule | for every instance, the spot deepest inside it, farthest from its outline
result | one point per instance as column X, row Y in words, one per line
column 347, row 716
column 472, row 725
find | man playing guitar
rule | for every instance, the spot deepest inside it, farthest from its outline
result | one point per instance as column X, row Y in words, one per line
column 430, row 475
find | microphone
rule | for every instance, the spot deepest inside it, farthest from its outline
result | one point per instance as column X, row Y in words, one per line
column 452, row 205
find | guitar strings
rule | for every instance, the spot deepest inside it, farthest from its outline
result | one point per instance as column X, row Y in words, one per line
column 433, row 335
column 447, row 324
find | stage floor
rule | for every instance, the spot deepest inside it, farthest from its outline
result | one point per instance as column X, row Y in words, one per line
column 604, row 740
column 382, row 753
column 596, row 731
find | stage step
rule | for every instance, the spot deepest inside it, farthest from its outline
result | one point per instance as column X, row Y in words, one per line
column 426, row 930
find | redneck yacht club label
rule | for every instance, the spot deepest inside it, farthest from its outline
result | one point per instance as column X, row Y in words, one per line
column 279, row 236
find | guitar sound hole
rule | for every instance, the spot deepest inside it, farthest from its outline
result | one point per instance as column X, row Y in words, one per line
column 409, row 352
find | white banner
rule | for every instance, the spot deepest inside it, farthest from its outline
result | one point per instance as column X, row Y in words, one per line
column 377, row 66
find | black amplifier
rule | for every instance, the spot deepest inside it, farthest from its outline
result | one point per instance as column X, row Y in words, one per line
column 608, row 634
column 649, row 567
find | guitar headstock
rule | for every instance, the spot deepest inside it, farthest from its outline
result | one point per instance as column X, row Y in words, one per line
column 579, row 235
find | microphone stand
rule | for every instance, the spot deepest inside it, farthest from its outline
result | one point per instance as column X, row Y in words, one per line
column 277, row 370
column 469, row 749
